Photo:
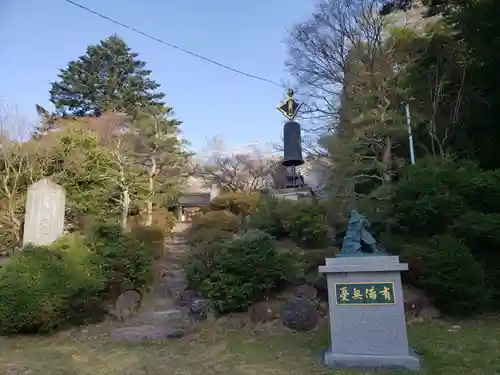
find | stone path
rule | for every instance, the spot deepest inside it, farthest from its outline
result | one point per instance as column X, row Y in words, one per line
column 170, row 310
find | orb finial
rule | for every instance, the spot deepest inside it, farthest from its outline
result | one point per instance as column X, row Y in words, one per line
column 290, row 93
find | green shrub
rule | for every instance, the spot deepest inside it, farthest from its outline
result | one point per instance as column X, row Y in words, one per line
column 208, row 235
column 304, row 222
column 452, row 276
column 429, row 196
column 153, row 239
column 216, row 220
column 234, row 274
column 239, row 203
column 482, row 191
column 125, row 261
column 266, row 218
column 481, row 233
column 45, row 288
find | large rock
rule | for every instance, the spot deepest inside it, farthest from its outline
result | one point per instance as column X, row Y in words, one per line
column 263, row 312
column 186, row 297
column 299, row 314
column 414, row 300
column 160, row 318
column 199, row 309
column 146, row 333
column 306, row 291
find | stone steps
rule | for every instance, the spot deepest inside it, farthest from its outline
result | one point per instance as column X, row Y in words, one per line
column 167, row 316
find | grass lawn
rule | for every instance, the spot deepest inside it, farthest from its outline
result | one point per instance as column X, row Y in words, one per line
column 215, row 349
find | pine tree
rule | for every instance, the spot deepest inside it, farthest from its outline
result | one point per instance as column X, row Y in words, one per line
column 160, row 149
column 109, row 77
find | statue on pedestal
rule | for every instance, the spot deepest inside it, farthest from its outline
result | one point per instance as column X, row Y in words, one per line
column 357, row 237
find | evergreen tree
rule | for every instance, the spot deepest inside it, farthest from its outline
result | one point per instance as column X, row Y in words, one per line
column 109, row 77
column 159, row 148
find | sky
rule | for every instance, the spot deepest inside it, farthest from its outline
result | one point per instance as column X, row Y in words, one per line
column 37, row 38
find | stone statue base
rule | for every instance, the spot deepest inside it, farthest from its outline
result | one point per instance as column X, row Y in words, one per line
column 304, row 192
column 367, row 320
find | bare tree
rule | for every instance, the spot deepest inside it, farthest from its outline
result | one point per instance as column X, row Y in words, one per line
column 248, row 170
column 21, row 164
column 123, row 172
column 321, row 53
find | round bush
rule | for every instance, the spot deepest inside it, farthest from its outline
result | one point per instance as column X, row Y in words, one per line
column 304, row 222
column 266, row 218
column 153, row 239
column 452, row 276
column 239, row 203
column 208, row 235
column 45, row 288
column 216, row 220
column 234, row 274
column 125, row 261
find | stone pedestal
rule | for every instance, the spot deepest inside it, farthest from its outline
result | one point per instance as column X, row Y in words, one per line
column 294, row 194
column 367, row 320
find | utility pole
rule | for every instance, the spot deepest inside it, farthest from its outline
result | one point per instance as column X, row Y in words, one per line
column 410, row 136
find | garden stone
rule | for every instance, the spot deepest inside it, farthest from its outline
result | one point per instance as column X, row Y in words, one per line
column 161, row 317
column 263, row 312
column 199, row 308
column 299, row 314
column 306, row 291
column 429, row 312
column 186, row 297
column 146, row 333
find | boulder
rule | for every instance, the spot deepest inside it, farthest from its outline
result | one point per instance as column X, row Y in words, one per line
column 199, row 309
column 186, row 297
column 146, row 333
column 414, row 300
column 299, row 314
column 429, row 312
column 306, row 291
column 263, row 312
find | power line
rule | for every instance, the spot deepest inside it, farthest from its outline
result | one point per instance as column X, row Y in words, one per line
column 174, row 46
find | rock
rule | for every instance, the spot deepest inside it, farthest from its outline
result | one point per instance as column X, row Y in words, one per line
column 299, row 314
column 263, row 312
column 199, row 309
column 175, row 286
column 160, row 318
column 186, row 297
column 429, row 312
column 146, row 333
column 306, row 291
column 414, row 301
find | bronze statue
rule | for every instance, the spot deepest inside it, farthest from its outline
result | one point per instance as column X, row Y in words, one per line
column 358, row 238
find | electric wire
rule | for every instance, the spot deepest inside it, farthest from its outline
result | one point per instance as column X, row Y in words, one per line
column 159, row 40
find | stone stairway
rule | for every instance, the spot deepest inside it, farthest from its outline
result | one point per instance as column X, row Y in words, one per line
column 170, row 310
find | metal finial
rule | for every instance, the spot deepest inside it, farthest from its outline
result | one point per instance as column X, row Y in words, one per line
column 290, row 93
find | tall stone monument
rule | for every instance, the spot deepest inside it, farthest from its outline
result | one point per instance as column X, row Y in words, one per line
column 44, row 218
column 367, row 320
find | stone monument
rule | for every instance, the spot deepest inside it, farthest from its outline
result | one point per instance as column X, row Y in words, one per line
column 44, row 218
column 367, row 319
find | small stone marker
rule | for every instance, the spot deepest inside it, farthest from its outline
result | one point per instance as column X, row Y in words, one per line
column 44, row 218
column 367, row 318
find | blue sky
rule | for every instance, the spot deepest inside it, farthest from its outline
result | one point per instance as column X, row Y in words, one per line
column 39, row 37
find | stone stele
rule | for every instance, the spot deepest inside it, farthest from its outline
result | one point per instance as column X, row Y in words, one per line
column 44, row 218
column 367, row 320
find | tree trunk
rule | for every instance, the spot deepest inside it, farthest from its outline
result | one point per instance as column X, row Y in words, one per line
column 125, row 208
column 149, row 202
column 387, row 160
